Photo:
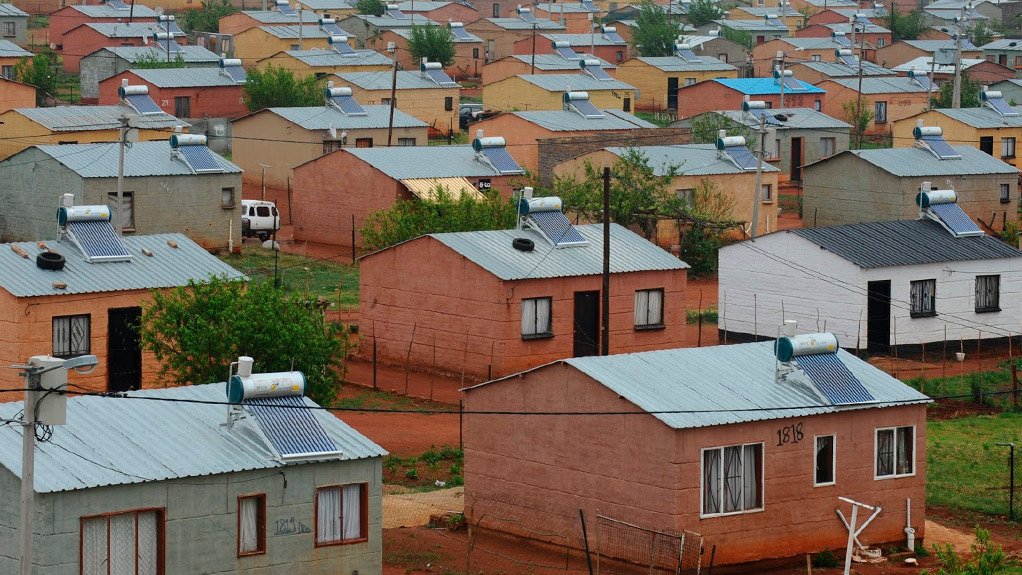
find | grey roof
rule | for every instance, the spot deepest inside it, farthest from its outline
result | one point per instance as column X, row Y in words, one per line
column 519, row 24
column 79, row 118
column 557, row 62
column 323, row 117
column 924, row 64
column 1014, row 81
column 184, row 77
column 12, row 11
column 330, row 57
column 1004, row 44
column 793, row 119
column 583, row 40
column 105, row 10
column 142, row 159
column 406, row 80
column 688, row 159
column 726, row 384
column 117, row 441
column 903, row 243
column 9, row 49
column 813, row 43
column 413, row 162
column 570, row 121
column 931, row 45
column 492, row 251
column 752, row 25
column 847, row 28
column 278, row 17
column 168, row 267
column 580, row 81
column 126, row 30
column 983, row 117
column 407, row 33
column 566, row 7
column 420, row 5
column 841, row 70
column 291, row 32
column 328, row 5
column 679, row 64
column 916, row 162
column 883, row 84
column 386, row 22
column 189, row 53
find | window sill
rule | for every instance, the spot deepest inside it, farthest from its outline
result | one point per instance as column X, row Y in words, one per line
column 252, row 553
column 829, row 484
column 651, row 327
column 1005, row 200
column 923, row 314
column 988, row 310
column 885, row 477
column 537, row 336
column 341, row 542
column 730, row 513
column 768, row 201
column 1011, row 157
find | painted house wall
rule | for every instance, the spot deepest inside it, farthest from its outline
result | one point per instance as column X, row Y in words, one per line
column 613, row 54
column 652, row 81
column 468, row 56
column 508, row 67
column 876, row 39
column 499, row 42
column 576, row 22
column 204, row 102
column 255, row 44
column 37, row 135
column 15, row 95
column 899, row 104
column 422, row 283
column 847, row 190
column 438, row 106
column 450, row 12
column 20, row 35
column 266, row 138
column 532, row 474
column 708, row 96
column 899, row 52
column 288, row 62
column 512, row 94
column 194, row 508
column 83, row 40
column 744, row 272
column 102, row 64
column 958, row 133
column 68, row 18
column 763, row 56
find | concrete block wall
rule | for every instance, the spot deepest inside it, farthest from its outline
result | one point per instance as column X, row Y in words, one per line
column 553, row 151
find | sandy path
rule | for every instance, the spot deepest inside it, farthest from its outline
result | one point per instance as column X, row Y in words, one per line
column 413, row 508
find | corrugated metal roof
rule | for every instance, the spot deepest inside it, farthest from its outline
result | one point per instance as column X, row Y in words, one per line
column 923, row 65
column 982, row 117
column 841, row 70
column 757, row 86
column 140, row 160
column 813, row 43
column 168, row 267
column 105, row 10
column 330, row 57
column 492, row 251
column 328, row 4
column 82, row 118
column 421, row 5
column 575, row 82
column 694, row 41
column 407, row 33
column 903, row 243
column 406, row 80
column 569, row 121
column 678, row 64
column 322, row 117
column 12, row 11
column 189, row 53
column 9, row 49
column 582, row 40
column 117, row 441
column 883, row 85
column 184, row 77
column 386, row 22
column 426, row 188
column 519, row 24
column 916, row 162
column 556, row 62
column 409, row 162
column 689, row 159
column 278, row 17
column 126, row 30
column 566, row 7
column 291, row 32
column 1004, row 44
column 846, row 28
column 752, row 25
column 794, row 119
column 930, row 45
column 1013, row 81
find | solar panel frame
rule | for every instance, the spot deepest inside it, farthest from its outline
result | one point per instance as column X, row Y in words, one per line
column 1001, row 107
column 169, row 45
column 790, row 83
column 587, row 109
column 286, row 9
column 688, row 55
column 290, row 427
column 842, row 40
column 348, row 105
column 599, row 73
column 396, row 14
column 940, row 147
column 557, row 229
column 460, row 33
column 775, row 22
column 200, row 159
column 613, row 37
column 344, row 49
column 143, row 104
column 833, row 379
column 118, row 4
column 333, row 29
column 924, row 82
column 98, row 240
column 742, row 157
column 568, row 53
column 502, row 161
column 440, row 77
column 236, row 73
column 955, row 219
column 527, row 16
column 767, row 116
column 850, row 61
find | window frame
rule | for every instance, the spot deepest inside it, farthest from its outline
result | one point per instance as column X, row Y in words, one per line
column 833, row 460
column 1005, row 194
column 7, row 71
column 923, row 312
column 161, row 535
column 448, row 103
column 88, row 335
column 997, row 294
column 363, row 516
column 183, row 103
column 876, row 447
column 232, row 201
column 1007, row 148
column 879, row 118
column 702, row 480
column 649, row 326
column 766, row 193
column 10, row 30
column 826, row 143
column 260, row 524
column 550, row 319
column 406, row 142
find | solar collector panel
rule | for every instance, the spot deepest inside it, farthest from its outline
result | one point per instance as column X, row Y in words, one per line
column 599, row 73
column 791, row 83
column 832, row 377
column 557, row 228
column 502, row 160
column 742, row 156
column 236, row 73
column 143, row 104
column 567, row 53
column 460, row 33
column 200, row 159
column 688, row 55
column 613, row 36
column 333, row 29
column 1001, row 107
column 348, row 105
column 952, row 216
column 97, row 239
column 440, row 77
column 940, row 147
column 290, row 426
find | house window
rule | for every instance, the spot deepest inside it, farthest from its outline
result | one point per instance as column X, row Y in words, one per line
column 1018, row 61
column 496, row 10
column 8, row 29
column 767, row 193
column 881, row 42
column 722, row 57
column 1005, row 193
column 732, row 479
column 620, row 56
column 817, row 105
column 1007, row 148
column 816, row 57
column 182, row 106
column 649, row 309
column 760, row 39
column 895, row 452
column 7, row 72
column 988, row 293
column 227, row 198
column 252, row 525
column 475, row 53
column 71, row 336
column 536, row 318
column 127, row 542
column 825, row 460
column 627, row 107
column 331, row 146
column 986, row 144
column 341, row 514
column 686, row 194
column 880, row 113
column 827, row 147
column 775, row 152
column 690, row 81
column 448, row 103
column 294, row 47
column 363, row 142
column 406, row 141
column 923, row 298
column 124, row 213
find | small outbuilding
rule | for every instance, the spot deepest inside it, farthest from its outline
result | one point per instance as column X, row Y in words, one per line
column 187, row 93
column 15, row 24
column 729, row 93
column 10, row 55
column 110, row 60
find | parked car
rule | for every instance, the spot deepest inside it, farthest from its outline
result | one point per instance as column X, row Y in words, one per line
column 259, row 219
column 467, row 114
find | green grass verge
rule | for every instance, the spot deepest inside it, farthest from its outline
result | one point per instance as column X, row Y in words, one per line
column 317, row 278
column 662, row 121
column 709, row 316
column 974, row 387
column 374, row 399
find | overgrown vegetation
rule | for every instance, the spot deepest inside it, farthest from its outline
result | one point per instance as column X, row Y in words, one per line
column 314, row 279
column 825, row 560
column 40, row 71
column 432, row 42
column 709, row 315
column 985, row 557
column 740, row 37
column 371, row 7
column 207, row 17
column 906, row 26
column 706, row 128
column 275, row 87
column 703, row 12
column 436, row 468
column 969, row 93
column 859, row 114
column 654, row 33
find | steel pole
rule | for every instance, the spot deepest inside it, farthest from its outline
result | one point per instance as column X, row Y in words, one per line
column 27, row 475
column 120, row 175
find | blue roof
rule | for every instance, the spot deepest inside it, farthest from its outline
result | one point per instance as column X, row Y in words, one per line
column 760, row 86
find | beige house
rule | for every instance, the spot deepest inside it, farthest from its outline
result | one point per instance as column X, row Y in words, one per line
column 993, row 132
column 547, row 92
column 658, row 79
column 469, row 51
column 326, row 61
column 238, row 22
column 417, row 95
column 262, row 42
column 540, row 64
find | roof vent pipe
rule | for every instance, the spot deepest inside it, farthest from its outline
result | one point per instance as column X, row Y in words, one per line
column 245, row 366
column 67, row 201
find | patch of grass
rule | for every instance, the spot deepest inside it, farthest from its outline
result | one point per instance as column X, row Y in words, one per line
column 976, row 387
column 38, row 21
column 317, row 278
column 662, row 120
column 709, row 315
column 422, row 472
column 965, row 467
column 373, row 399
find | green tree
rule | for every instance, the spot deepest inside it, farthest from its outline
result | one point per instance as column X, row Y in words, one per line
column 196, row 331
column 970, row 93
column 274, row 87
column 703, row 12
column 371, row 7
column 39, row 71
column 435, row 43
column 153, row 61
column 706, row 128
column 740, row 37
column 981, row 34
column 654, row 33
column 859, row 115
column 409, row 219
column 207, row 18
column 703, row 218
column 906, row 26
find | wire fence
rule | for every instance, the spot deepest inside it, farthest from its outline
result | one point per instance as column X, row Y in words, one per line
column 622, row 547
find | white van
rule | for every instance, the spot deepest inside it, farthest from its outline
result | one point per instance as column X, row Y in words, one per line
column 259, row 219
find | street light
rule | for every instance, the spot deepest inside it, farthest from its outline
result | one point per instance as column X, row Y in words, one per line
column 46, row 404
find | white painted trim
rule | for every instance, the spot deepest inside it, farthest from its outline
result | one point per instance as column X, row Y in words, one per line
column 833, row 462
column 762, row 476
column 915, row 452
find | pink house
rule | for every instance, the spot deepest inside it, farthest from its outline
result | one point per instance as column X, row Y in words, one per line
column 184, row 92
column 706, row 440
column 473, row 303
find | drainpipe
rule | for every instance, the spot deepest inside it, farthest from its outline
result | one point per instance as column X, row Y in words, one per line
column 910, row 533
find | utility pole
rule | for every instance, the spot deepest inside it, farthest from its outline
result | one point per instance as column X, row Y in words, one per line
column 756, row 193
column 392, row 48
column 858, row 94
column 120, row 174
column 956, row 90
column 533, row 48
column 300, row 32
column 605, row 300
column 780, row 73
column 27, row 475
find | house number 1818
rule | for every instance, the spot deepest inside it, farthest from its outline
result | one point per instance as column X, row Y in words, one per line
column 789, row 434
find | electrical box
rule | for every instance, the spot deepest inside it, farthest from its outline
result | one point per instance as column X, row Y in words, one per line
column 50, row 406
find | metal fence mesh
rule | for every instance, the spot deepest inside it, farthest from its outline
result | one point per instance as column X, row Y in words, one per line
column 623, row 548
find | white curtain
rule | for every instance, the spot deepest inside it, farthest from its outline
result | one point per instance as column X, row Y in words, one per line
column 528, row 317
column 148, row 543
column 248, row 537
column 352, row 511
column 543, row 315
column 656, row 307
column 122, row 544
column 94, row 546
column 328, row 515
column 751, row 466
column 905, row 445
column 641, row 305
column 711, row 481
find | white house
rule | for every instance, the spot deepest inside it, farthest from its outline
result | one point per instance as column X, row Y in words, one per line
column 874, row 285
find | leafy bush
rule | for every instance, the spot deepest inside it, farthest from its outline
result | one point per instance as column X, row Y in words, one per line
column 987, row 557
column 825, row 560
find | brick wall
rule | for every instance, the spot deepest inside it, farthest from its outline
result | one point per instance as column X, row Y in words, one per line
column 553, row 151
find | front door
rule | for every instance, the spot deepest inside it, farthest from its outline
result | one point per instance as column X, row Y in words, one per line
column 878, row 317
column 672, row 93
column 796, row 159
column 587, row 323
column 124, row 352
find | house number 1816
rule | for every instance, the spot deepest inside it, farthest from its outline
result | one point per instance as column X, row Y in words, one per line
column 789, row 434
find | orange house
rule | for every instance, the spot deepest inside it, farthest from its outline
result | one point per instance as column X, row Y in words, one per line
column 89, row 37
column 15, row 94
column 10, row 55
column 729, row 93
column 441, row 12
column 469, row 51
column 888, row 98
column 795, row 50
column 488, row 309
column 238, row 22
column 91, row 308
column 874, row 36
column 70, row 17
column 183, row 92
column 541, row 64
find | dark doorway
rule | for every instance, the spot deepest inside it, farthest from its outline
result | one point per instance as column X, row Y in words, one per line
column 878, row 317
column 587, row 323
column 124, row 354
column 672, row 93
column 796, row 159
column 986, row 144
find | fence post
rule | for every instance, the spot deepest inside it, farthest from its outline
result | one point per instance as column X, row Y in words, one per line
column 699, row 338
column 1014, row 386
column 374, row 362
column 585, row 540
column 461, row 424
